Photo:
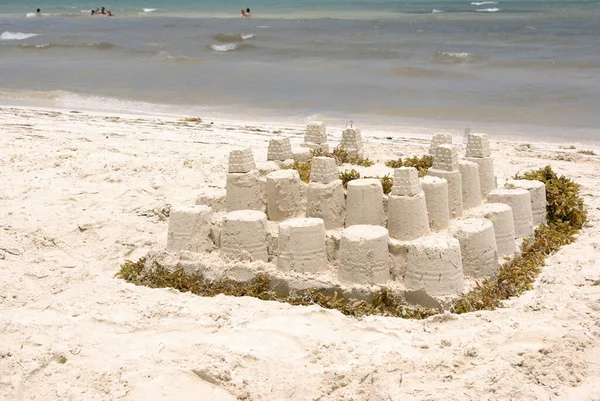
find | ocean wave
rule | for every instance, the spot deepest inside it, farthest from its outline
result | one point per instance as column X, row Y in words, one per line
column 149, row 10
column 434, row 11
column 263, row 27
column 232, row 37
column 456, row 57
column 480, row 3
column 46, row 46
column 230, row 47
column 488, row 10
column 16, row 35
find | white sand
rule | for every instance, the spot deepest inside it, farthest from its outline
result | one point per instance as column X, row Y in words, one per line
column 81, row 192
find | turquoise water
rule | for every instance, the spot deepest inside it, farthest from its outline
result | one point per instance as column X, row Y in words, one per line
column 452, row 63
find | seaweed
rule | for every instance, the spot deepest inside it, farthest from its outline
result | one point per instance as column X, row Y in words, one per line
column 422, row 164
column 302, row 167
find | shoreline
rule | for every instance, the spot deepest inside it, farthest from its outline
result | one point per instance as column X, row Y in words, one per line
column 411, row 127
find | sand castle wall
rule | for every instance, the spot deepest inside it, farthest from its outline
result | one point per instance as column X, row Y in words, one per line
column 358, row 237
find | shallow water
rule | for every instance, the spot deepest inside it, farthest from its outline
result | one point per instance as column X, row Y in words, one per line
column 459, row 63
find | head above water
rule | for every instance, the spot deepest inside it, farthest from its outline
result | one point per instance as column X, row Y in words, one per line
column 38, row 11
column 248, row 10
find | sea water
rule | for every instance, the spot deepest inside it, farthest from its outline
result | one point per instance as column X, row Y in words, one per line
column 529, row 67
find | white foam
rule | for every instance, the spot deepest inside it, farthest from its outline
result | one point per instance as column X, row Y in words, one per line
column 246, row 36
column 488, row 10
column 225, row 47
column 434, row 11
column 480, row 3
column 263, row 27
column 457, row 54
column 149, row 10
column 16, row 35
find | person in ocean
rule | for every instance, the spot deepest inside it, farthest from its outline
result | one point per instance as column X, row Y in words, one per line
column 245, row 13
column 102, row 11
column 38, row 12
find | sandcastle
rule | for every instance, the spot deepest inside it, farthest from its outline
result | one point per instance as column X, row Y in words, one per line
column 407, row 210
column 415, row 241
column 325, row 196
column 537, row 195
column 478, row 151
column 315, row 137
column 280, row 149
column 439, row 139
column 352, row 141
column 445, row 165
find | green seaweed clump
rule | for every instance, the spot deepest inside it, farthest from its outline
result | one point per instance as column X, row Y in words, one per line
column 386, row 182
column 342, row 156
column 562, row 196
column 159, row 277
column 384, row 302
column 302, row 167
column 422, row 164
column 394, row 163
column 349, row 175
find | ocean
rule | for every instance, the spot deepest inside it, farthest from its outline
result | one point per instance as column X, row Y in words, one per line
column 518, row 68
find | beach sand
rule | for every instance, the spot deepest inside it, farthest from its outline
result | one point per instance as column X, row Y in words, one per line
column 81, row 192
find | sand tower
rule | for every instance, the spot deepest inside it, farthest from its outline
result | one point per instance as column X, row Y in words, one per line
column 285, row 195
column 477, row 245
column 478, row 151
column 407, row 210
column 316, row 136
column 189, row 229
column 245, row 232
column 352, row 141
column 364, row 202
column 363, row 255
column 325, row 197
column 520, row 202
column 245, row 188
column 471, row 188
column 445, row 165
column 537, row 192
column 302, row 246
column 436, row 199
column 439, row 139
column 501, row 216
column 434, row 264
column 280, row 149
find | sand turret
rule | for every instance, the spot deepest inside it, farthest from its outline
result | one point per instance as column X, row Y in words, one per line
column 445, row 165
